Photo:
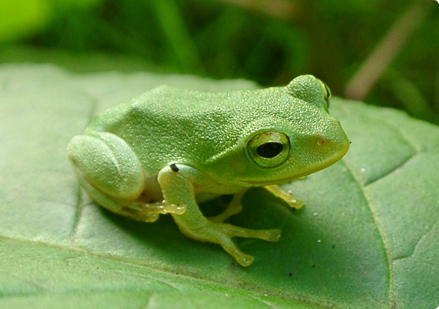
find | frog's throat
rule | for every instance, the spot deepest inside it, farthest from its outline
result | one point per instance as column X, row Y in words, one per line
column 273, row 182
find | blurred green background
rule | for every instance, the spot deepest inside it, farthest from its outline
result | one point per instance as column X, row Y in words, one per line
column 383, row 52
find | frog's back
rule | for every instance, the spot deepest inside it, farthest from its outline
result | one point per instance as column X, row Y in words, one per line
column 185, row 123
column 160, row 104
column 179, row 122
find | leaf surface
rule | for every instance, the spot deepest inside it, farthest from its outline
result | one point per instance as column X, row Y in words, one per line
column 367, row 237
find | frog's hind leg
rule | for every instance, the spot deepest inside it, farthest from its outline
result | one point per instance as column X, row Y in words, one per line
column 146, row 212
column 111, row 174
column 233, row 208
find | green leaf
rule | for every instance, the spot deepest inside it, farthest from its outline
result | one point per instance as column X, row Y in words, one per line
column 367, row 237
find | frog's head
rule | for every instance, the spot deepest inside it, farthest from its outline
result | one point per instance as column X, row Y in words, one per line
column 288, row 134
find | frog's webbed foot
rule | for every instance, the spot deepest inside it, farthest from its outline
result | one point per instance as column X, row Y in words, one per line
column 216, row 231
column 222, row 234
column 149, row 212
column 233, row 208
column 286, row 196
column 160, row 208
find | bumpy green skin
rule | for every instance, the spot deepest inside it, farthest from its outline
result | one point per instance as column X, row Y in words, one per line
column 167, row 149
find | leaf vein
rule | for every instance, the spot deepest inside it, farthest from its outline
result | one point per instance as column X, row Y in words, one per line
column 79, row 207
column 415, row 248
column 382, row 236
column 397, row 168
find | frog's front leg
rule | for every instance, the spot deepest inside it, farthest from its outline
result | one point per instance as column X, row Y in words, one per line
column 177, row 187
column 286, row 196
column 111, row 174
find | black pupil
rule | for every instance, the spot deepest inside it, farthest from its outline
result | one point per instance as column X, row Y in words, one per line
column 269, row 150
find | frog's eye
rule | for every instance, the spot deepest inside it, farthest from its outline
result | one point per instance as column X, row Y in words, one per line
column 269, row 149
column 326, row 92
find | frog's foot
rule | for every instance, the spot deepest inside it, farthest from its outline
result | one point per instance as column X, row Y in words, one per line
column 222, row 234
column 286, row 196
column 234, row 208
column 149, row 212
column 137, row 210
column 161, row 208
column 146, row 218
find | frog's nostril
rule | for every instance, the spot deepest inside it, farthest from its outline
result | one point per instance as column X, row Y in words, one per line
column 320, row 141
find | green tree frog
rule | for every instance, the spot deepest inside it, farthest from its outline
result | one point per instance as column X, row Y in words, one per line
column 169, row 149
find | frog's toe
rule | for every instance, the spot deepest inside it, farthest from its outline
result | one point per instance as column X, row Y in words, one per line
column 295, row 203
column 240, row 257
column 246, row 260
column 287, row 196
column 162, row 208
column 271, row 235
column 138, row 216
column 174, row 208
column 234, row 231
column 267, row 235
column 150, row 218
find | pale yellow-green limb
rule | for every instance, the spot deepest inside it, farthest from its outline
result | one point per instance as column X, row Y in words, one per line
column 286, row 196
column 233, row 208
column 178, row 190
